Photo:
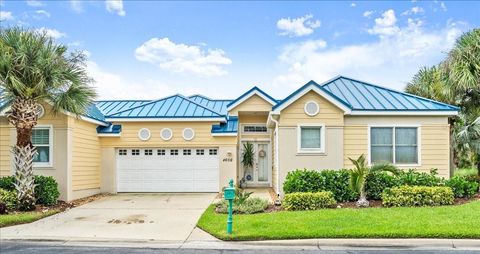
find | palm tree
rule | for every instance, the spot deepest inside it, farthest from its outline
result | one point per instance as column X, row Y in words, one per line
column 34, row 69
column 469, row 140
column 359, row 174
column 455, row 81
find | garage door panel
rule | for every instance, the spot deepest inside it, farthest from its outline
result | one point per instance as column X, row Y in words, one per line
column 167, row 173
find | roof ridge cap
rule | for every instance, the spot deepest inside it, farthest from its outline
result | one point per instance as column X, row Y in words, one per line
column 150, row 102
column 188, row 99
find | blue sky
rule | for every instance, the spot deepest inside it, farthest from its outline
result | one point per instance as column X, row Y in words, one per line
column 149, row 49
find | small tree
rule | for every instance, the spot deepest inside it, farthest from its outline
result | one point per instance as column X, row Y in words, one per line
column 34, row 69
column 359, row 174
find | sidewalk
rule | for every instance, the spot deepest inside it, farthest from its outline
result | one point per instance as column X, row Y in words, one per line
column 198, row 239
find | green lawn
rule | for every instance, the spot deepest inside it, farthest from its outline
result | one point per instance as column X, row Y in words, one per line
column 461, row 221
column 21, row 218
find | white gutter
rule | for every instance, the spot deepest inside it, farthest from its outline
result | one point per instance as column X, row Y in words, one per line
column 276, row 154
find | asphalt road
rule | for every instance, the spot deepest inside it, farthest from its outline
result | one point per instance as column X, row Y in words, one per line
column 21, row 247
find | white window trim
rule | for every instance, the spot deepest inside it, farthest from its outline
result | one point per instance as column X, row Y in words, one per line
column 254, row 124
column 48, row 164
column 193, row 134
column 164, row 138
column 301, row 150
column 305, row 108
column 140, row 136
column 419, row 143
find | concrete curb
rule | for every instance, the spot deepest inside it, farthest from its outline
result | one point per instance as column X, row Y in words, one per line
column 303, row 244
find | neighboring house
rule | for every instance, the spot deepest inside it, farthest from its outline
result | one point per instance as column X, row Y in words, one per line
column 194, row 144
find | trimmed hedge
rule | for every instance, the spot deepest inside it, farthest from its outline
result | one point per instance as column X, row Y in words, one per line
column 335, row 181
column 417, row 196
column 308, row 200
column 46, row 189
column 7, row 182
column 9, row 199
column 462, row 187
column 377, row 182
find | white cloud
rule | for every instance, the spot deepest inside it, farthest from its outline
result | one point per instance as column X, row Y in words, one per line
column 443, row 6
column 76, row 6
column 353, row 5
column 182, row 58
column 110, row 85
column 115, row 6
column 298, row 27
column 41, row 13
column 414, row 10
column 54, row 33
column 391, row 60
column 367, row 14
column 34, row 3
column 385, row 25
column 6, row 15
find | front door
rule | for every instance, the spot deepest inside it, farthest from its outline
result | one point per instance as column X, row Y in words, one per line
column 261, row 172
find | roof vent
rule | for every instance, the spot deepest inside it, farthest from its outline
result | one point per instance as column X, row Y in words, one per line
column 144, row 134
column 311, row 108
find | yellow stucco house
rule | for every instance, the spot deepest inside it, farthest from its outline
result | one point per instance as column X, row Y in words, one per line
column 194, row 144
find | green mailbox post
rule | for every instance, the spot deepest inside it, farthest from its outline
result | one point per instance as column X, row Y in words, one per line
column 229, row 194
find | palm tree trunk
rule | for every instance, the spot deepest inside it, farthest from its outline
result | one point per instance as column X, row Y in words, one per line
column 453, row 157
column 23, row 115
column 362, row 201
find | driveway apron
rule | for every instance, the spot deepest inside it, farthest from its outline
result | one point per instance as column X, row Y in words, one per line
column 155, row 217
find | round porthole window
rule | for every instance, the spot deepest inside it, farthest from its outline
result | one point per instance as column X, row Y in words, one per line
column 311, row 108
column 166, row 134
column 188, row 134
column 40, row 111
column 144, row 134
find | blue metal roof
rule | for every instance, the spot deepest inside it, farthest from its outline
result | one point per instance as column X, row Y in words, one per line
column 176, row 106
column 359, row 95
column 93, row 112
column 248, row 92
column 365, row 96
column 231, row 126
column 219, row 106
column 111, row 129
column 108, row 107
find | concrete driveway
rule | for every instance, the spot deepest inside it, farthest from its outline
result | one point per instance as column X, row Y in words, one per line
column 151, row 217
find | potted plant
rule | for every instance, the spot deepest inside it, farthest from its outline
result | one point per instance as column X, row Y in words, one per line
column 247, row 161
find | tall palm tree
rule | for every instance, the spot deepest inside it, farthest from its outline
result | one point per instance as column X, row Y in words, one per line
column 358, row 177
column 469, row 140
column 34, row 69
column 455, row 81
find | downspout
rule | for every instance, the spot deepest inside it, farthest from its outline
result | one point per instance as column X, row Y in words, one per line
column 276, row 155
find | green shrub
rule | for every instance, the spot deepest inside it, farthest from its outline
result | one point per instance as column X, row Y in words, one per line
column 7, row 183
column 461, row 187
column 9, row 198
column 377, row 182
column 466, row 172
column 46, row 190
column 417, row 196
column 309, row 200
column 415, row 178
column 248, row 206
column 335, row 181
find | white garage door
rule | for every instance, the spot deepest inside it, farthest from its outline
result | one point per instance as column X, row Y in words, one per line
column 167, row 170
